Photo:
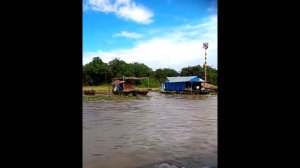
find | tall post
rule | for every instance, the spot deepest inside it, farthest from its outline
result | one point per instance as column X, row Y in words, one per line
column 205, row 70
column 123, row 83
column 205, row 46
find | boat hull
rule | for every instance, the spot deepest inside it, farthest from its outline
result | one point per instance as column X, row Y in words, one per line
column 133, row 92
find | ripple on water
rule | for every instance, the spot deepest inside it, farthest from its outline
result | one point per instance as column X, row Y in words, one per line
column 179, row 130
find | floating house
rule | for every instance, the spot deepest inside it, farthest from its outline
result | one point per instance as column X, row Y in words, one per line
column 126, row 85
column 184, row 84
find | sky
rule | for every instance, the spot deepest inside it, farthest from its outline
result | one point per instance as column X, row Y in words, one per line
column 158, row 33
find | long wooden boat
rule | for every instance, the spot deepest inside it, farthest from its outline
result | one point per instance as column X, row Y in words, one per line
column 126, row 86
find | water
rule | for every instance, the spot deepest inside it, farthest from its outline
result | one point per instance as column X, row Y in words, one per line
column 151, row 132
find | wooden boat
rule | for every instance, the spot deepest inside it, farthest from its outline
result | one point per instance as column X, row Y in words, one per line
column 125, row 86
column 140, row 92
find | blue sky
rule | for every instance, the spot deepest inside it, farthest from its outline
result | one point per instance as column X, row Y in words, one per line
column 160, row 34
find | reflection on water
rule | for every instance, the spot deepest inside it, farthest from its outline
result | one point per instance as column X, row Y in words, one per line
column 179, row 130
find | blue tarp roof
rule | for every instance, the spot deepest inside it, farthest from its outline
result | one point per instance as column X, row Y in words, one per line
column 184, row 79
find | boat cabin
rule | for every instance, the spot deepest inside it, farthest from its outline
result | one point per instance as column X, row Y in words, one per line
column 183, row 84
column 126, row 85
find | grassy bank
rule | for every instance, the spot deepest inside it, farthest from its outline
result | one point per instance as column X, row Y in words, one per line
column 103, row 92
column 107, row 87
column 101, row 88
column 151, row 83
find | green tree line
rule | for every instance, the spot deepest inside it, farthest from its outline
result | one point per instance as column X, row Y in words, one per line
column 97, row 72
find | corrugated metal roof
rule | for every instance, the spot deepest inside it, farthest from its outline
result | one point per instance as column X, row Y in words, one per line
column 182, row 79
column 117, row 82
column 201, row 80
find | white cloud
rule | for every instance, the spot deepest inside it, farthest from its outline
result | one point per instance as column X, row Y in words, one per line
column 175, row 48
column 126, row 9
column 213, row 7
column 128, row 34
column 84, row 7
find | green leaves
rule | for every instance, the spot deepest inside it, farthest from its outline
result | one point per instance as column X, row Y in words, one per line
column 100, row 72
column 162, row 74
column 97, row 70
column 199, row 71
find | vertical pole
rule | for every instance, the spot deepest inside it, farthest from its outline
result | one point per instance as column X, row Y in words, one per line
column 123, row 83
column 205, row 70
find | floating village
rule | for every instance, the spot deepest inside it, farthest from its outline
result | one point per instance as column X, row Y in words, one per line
column 172, row 85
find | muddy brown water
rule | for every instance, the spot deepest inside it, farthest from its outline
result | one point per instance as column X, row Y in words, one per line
column 180, row 130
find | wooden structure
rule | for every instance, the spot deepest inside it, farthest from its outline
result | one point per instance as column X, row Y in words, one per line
column 126, row 86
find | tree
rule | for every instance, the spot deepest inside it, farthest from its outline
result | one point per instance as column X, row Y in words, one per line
column 141, row 70
column 97, row 71
column 212, row 75
column 193, row 71
column 199, row 71
column 162, row 74
column 100, row 72
column 119, row 68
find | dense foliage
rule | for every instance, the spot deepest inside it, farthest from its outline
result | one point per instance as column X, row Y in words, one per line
column 97, row 72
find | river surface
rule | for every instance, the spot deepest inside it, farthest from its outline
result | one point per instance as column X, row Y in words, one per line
column 157, row 129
